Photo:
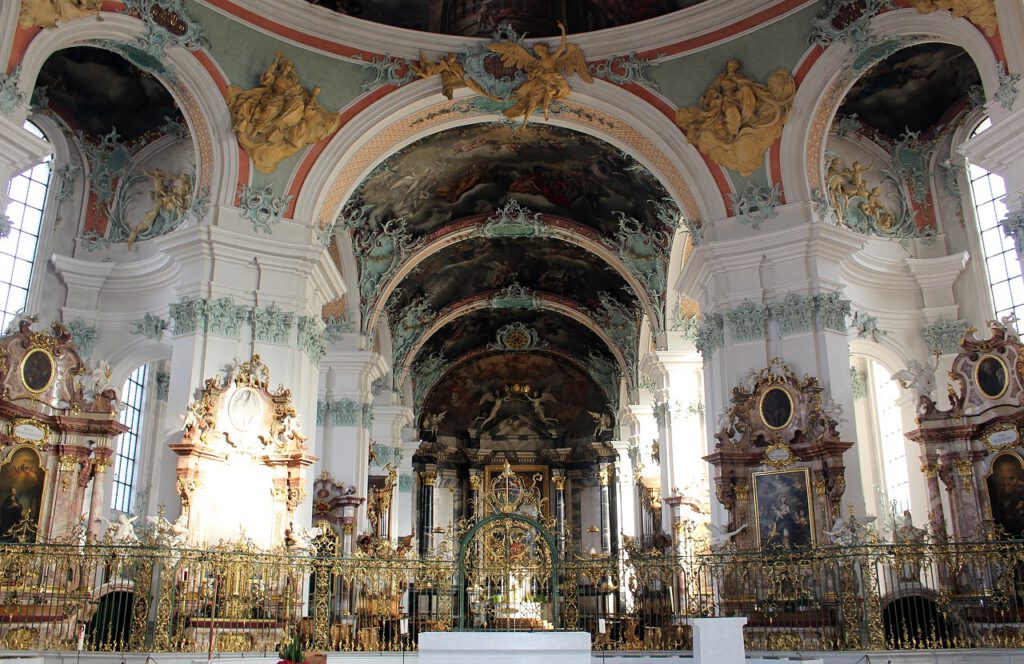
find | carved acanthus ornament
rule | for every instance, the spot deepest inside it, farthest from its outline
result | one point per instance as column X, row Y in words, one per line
column 276, row 119
column 981, row 13
column 47, row 13
column 738, row 118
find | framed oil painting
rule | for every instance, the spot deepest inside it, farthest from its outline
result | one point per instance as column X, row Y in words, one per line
column 776, row 408
column 1006, row 492
column 37, row 370
column 782, row 509
column 991, row 376
column 21, row 495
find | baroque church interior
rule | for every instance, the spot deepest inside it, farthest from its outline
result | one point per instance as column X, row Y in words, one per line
column 331, row 323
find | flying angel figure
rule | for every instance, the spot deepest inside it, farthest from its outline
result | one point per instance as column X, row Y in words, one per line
column 602, row 422
column 545, row 74
column 498, row 400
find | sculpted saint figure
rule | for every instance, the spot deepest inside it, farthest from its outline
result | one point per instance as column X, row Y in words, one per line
column 738, row 118
column 981, row 13
column 545, row 73
column 47, row 13
column 279, row 117
column 171, row 196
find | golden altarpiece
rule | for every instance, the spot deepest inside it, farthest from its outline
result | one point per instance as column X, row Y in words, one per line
column 58, row 427
column 778, row 462
column 971, row 453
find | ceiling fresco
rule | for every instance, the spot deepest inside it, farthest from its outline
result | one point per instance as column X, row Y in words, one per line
column 912, row 89
column 95, row 90
column 461, row 393
column 480, row 329
column 480, row 264
column 477, row 168
column 478, row 18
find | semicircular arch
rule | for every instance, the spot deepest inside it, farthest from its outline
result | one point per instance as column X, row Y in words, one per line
column 823, row 89
column 193, row 88
column 543, row 301
column 558, row 228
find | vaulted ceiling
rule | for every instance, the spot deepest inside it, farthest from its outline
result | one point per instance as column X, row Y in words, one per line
column 478, row 18
column 502, row 258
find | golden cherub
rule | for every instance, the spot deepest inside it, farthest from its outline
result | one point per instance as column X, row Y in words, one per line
column 545, row 73
column 451, row 72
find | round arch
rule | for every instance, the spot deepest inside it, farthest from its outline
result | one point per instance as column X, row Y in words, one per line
column 559, row 228
column 414, row 111
column 468, row 538
column 194, row 89
column 827, row 82
column 545, row 302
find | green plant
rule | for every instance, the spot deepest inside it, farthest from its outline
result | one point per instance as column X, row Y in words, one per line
column 291, row 651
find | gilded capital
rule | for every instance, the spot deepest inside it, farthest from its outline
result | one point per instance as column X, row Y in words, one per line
column 559, row 482
column 428, row 477
column 604, row 474
column 742, row 491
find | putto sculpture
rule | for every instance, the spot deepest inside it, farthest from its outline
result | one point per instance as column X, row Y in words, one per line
column 276, row 119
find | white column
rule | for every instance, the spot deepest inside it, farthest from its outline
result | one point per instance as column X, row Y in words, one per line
column 345, row 441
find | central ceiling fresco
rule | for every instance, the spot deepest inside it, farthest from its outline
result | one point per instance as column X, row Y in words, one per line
column 536, row 254
column 484, row 264
column 475, row 169
column 478, row 18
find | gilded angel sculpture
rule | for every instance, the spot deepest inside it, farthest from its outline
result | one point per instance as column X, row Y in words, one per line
column 738, row 118
column 276, row 119
column 545, row 73
column 981, row 13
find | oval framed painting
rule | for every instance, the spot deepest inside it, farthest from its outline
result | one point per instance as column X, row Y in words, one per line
column 37, row 370
column 776, row 408
column 991, row 376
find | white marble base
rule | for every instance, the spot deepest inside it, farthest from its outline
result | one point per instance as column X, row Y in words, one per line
column 504, row 647
column 718, row 640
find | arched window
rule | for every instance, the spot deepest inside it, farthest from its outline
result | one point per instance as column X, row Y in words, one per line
column 1002, row 264
column 133, row 398
column 26, row 199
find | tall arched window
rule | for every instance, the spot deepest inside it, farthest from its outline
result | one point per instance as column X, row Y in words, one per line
column 126, row 464
column 27, row 197
column 1002, row 264
column 880, row 430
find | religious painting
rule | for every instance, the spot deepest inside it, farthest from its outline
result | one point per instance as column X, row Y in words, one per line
column 991, row 376
column 37, row 370
column 1006, row 493
column 482, row 264
column 21, row 486
column 479, row 393
column 776, row 408
column 782, row 509
column 478, row 168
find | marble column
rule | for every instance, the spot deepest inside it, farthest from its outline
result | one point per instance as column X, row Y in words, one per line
column 428, row 478
column 558, row 482
column 97, row 507
column 604, row 478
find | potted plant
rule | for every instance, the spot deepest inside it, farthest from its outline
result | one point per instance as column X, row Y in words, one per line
column 291, row 652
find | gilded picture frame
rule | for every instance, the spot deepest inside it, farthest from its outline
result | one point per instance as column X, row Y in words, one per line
column 1005, row 484
column 985, row 378
column 783, row 513
column 29, row 365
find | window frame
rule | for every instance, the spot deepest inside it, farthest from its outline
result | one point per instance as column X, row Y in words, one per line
column 124, row 490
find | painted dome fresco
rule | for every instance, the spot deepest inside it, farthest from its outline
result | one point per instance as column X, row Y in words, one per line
column 479, row 18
